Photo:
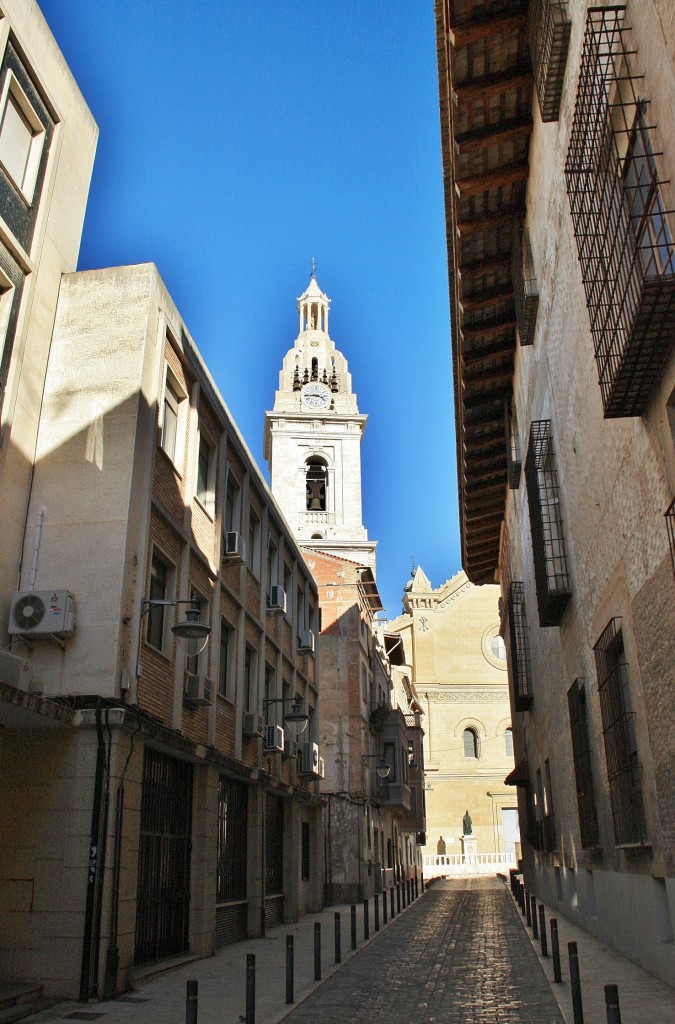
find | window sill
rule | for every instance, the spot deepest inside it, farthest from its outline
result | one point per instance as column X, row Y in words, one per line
column 155, row 650
column 206, row 508
column 168, row 458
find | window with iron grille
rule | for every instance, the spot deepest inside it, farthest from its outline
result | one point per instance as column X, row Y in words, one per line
column 551, row 571
column 625, row 246
column 232, row 846
column 304, row 852
column 513, row 460
column 274, row 845
column 521, row 671
column 588, row 818
column 548, row 33
column 525, row 289
column 624, row 771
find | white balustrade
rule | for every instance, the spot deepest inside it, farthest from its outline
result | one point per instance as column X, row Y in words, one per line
column 456, row 865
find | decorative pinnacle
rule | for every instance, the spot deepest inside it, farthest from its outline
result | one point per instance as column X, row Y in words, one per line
column 312, row 274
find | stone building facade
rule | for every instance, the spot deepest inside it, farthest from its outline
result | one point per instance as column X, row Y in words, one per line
column 156, row 799
column 454, row 663
column 313, row 446
column 560, row 238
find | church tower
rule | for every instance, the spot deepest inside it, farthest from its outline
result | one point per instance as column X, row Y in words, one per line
column 313, row 440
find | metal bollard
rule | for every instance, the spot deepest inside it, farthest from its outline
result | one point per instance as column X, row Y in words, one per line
column 250, row 988
column 612, row 1004
column 384, row 906
column 535, row 926
column 366, row 921
column 289, row 968
column 338, row 940
column 353, row 926
column 317, row 951
column 398, row 897
column 542, row 930
column 191, row 1002
column 555, row 950
column 391, row 894
column 417, row 887
column 422, row 881
column 526, row 910
column 575, row 983
column 376, row 898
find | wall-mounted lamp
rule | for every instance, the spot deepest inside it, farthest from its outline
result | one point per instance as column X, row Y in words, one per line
column 191, row 629
column 382, row 768
column 296, row 716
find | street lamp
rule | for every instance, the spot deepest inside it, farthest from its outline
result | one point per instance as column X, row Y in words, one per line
column 296, row 716
column 382, row 768
column 191, row 629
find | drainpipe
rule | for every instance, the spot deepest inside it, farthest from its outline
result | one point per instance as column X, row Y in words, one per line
column 91, row 936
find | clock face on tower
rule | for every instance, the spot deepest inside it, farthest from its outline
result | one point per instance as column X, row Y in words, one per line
column 315, row 396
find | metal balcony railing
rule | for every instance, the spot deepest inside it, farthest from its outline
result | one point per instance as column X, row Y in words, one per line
column 548, row 32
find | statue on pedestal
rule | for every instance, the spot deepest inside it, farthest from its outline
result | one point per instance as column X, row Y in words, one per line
column 467, row 825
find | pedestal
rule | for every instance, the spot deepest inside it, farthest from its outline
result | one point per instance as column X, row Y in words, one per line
column 469, row 849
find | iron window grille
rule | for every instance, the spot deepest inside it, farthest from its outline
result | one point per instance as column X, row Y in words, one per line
column 504, row 578
column 513, row 460
column 581, row 752
column 624, row 771
column 670, row 527
column 232, row 831
column 624, row 243
column 521, row 668
column 525, row 290
column 548, row 33
column 551, row 570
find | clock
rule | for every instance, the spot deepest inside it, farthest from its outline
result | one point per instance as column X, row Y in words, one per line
column 315, row 396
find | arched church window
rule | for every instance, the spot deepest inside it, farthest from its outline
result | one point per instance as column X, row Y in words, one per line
column 470, row 743
column 508, row 742
column 315, row 369
column 316, row 486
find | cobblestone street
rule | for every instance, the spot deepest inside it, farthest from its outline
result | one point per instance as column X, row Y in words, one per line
column 461, row 954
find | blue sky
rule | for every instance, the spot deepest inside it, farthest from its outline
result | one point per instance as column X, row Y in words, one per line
column 241, row 138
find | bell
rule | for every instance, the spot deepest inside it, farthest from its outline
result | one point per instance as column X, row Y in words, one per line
column 315, row 505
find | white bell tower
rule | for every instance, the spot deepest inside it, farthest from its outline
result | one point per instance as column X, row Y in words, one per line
column 313, row 440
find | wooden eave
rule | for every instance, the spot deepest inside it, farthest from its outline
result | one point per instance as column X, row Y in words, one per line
column 479, row 59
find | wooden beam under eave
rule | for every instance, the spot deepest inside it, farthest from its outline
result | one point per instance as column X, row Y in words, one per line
column 496, row 375
column 487, row 298
column 486, row 221
column 480, row 490
column 484, row 28
column 482, row 547
column 487, row 327
column 505, row 347
column 494, row 135
column 503, row 81
column 486, row 529
column 490, row 180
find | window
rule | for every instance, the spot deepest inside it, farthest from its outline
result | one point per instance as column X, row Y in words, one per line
column 624, row 771
column 273, row 712
column 161, row 589
column 470, row 737
column 508, row 742
column 549, row 820
column 304, row 851
column 581, row 752
column 250, row 681
column 519, row 635
column 551, row 571
column 653, row 237
column 389, row 755
column 548, row 32
column 173, row 419
column 253, row 542
column 22, row 136
column 196, row 663
column 364, row 683
column 316, row 486
column 232, row 517
column 205, row 490
column 8, row 297
column 513, row 460
column 272, row 566
column 232, row 846
column 227, row 660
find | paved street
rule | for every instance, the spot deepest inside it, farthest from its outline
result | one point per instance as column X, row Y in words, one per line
column 461, row 952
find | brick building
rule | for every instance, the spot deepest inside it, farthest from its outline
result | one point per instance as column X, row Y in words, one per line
column 557, row 128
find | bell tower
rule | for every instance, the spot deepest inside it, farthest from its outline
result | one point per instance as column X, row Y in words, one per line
column 313, row 440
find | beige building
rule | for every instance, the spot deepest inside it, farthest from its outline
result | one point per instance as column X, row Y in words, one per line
column 558, row 129
column 454, row 663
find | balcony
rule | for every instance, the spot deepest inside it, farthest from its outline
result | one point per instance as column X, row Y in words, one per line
column 513, row 460
column 548, row 31
column 551, row 570
column 521, row 671
column 623, row 238
column 525, row 289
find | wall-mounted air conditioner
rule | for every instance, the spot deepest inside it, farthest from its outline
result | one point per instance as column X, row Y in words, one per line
column 291, row 749
column 198, row 690
column 306, row 642
column 252, row 724
column 309, row 761
column 273, row 738
column 15, row 670
column 321, row 770
column 235, row 547
column 42, row 613
column 277, row 602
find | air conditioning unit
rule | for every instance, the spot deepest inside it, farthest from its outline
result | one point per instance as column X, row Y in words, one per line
column 277, row 602
column 291, row 749
column 252, row 724
column 321, row 770
column 15, row 670
column 273, row 737
column 306, row 642
column 235, row 547
column 42, row 613
column 197, row 690
column 309, row 761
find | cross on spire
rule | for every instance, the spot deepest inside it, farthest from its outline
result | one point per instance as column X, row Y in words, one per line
column 313, row 269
